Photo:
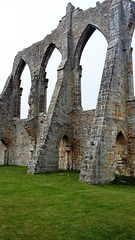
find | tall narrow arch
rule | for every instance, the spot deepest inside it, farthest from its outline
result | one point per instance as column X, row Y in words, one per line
column 89, row 30
column 121, row 155
column 92, row 61
column 21, row 107
column 87, row 33
column 4, row 149
column 65, row 154
column 48, row 76
column 25, row 86
column 47, row 55
column 90, row 54
column 18, row 73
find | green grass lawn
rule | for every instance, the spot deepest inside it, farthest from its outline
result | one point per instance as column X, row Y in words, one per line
column 55, row 206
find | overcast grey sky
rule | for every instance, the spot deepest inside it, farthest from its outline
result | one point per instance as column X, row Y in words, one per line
column 24, row 22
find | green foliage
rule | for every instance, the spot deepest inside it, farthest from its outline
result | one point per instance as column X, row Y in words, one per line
column 55, row 206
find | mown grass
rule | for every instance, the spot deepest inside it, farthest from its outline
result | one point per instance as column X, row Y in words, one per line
column 55, row 206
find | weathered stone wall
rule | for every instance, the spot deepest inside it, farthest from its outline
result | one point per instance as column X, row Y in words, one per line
column 82, row 122
column 16, row 142
column 93, row 135
column 131, row 134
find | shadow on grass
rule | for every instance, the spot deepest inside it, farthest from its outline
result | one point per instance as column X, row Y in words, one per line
column 123, row 180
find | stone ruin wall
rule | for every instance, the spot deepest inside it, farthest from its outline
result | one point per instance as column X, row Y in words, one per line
column 98, row 142
column 131, row 134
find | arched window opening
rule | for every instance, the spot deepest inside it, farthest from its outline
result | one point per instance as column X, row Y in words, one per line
column 133, row 59
column 121, row 156
column 92, row 61
column 25, row 85
column 65, row 154
column 51, row 70
column 4, row 152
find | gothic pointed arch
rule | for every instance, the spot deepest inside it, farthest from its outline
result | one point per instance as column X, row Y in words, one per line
column 17, row 89
column 18, row 73
column 89, row 30
column 47, row 55
column 87, row 33
column 89, row 66
column 43, row 76
column 121, row 155
column 65, row 154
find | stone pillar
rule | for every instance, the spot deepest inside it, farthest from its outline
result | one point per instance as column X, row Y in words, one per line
column 17, row 102
column 33, row 96
column 77, row 87
column 130, row 82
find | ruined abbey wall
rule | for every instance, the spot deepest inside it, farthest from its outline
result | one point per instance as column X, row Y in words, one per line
column 99, row 142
